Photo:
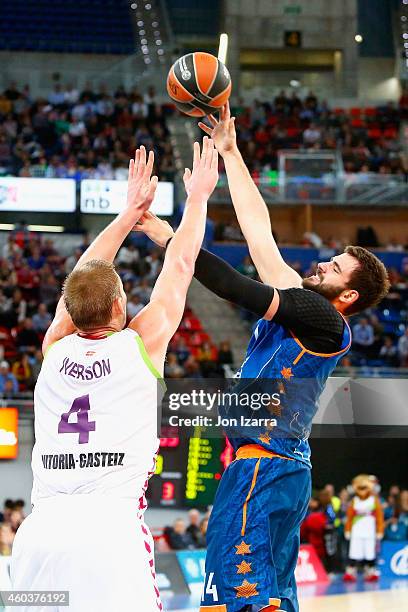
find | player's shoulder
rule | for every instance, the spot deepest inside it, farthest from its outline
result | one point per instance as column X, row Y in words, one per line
column 310, row 299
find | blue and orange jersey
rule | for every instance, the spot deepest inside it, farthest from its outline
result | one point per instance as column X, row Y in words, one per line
column 276, row 362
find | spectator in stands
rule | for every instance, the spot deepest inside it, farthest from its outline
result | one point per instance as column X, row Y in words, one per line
column 181, row 349
column 27, row 338
column 206, row 355
column 192, row 368
column 143, row 290
column 128, row 255
column 314, row 526
column 6, row 539
column 178, row 537
column 396, row 527
column 363, row 337
column 41, row 319
column 194, row 526
column 36, row 260
column 36, row 364
column 72, row 260
column 202, row 536
column 7, row 508
column 8, row 390
column 247, row 267
column 22, row 371
column 49, row 292
column 403, row 349
column 134, row 305
column 389, row 353
column 172, row 368
column 7, row 379
column 225, row 355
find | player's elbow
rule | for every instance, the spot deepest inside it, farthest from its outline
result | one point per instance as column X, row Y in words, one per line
column 184, row 265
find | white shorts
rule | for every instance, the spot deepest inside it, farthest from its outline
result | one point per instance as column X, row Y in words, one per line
column 362, row 549
column 95, row 547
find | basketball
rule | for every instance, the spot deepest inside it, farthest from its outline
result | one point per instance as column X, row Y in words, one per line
column 199, row 84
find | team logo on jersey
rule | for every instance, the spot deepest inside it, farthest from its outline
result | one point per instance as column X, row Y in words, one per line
column 89, row 353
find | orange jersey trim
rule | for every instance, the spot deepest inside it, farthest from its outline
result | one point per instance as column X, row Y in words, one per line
column 256, row 451
column 305, row 350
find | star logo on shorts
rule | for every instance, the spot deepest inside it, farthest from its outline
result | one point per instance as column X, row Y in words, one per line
column 243, row 549
column 244, row 568
column 286, row 373
column 247, row 589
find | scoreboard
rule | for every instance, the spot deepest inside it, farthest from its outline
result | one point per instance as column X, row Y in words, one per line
column 188, row 470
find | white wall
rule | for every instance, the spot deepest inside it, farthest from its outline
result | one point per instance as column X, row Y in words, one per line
column 377, row 81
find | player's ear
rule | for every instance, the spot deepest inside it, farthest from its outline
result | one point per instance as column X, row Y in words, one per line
column 348, row 296
column 118, row 307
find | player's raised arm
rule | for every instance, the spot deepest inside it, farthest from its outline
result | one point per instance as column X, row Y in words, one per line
column 158, row 321
column 250, row 208
column 141, row 190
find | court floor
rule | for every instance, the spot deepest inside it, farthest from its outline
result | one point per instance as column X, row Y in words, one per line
column 389, row 595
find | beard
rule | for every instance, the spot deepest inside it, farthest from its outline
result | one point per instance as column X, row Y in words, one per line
column 328, row 291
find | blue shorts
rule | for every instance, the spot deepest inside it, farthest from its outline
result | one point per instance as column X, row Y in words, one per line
column 253, row 535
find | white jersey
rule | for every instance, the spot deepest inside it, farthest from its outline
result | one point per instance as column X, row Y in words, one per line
column 95, row 406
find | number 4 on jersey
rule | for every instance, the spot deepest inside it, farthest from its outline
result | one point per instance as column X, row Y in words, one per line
column 82, row 425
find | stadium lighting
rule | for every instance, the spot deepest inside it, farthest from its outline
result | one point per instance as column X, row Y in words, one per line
column 133, row 6
column 46, row 228
column 8, row 227
column 294, row 83
column 223, row 48
column 405, row 35
column 358, row 38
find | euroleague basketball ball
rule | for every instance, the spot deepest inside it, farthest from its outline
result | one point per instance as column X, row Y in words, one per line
column 199, row 84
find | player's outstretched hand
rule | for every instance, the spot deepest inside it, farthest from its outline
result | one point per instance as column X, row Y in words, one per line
column 222, row 132
column 201, row 182
column 156, row 229
column 141, row 184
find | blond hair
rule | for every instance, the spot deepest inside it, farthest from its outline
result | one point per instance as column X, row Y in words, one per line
column 89, row 294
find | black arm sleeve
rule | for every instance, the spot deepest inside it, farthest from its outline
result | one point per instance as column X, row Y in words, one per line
column 226, row 282
column 312, row 318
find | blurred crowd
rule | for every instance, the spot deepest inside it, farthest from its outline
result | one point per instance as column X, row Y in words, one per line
column 366, row 137
column 324, row 525
column 32, row 271
column 81, row 134
column 182, row 535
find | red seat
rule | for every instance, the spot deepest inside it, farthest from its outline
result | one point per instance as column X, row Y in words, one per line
column 355, row 111
column 370, row 111
column 390, row 133
column 357, row 123
column 293, row 132
column 374, row 133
